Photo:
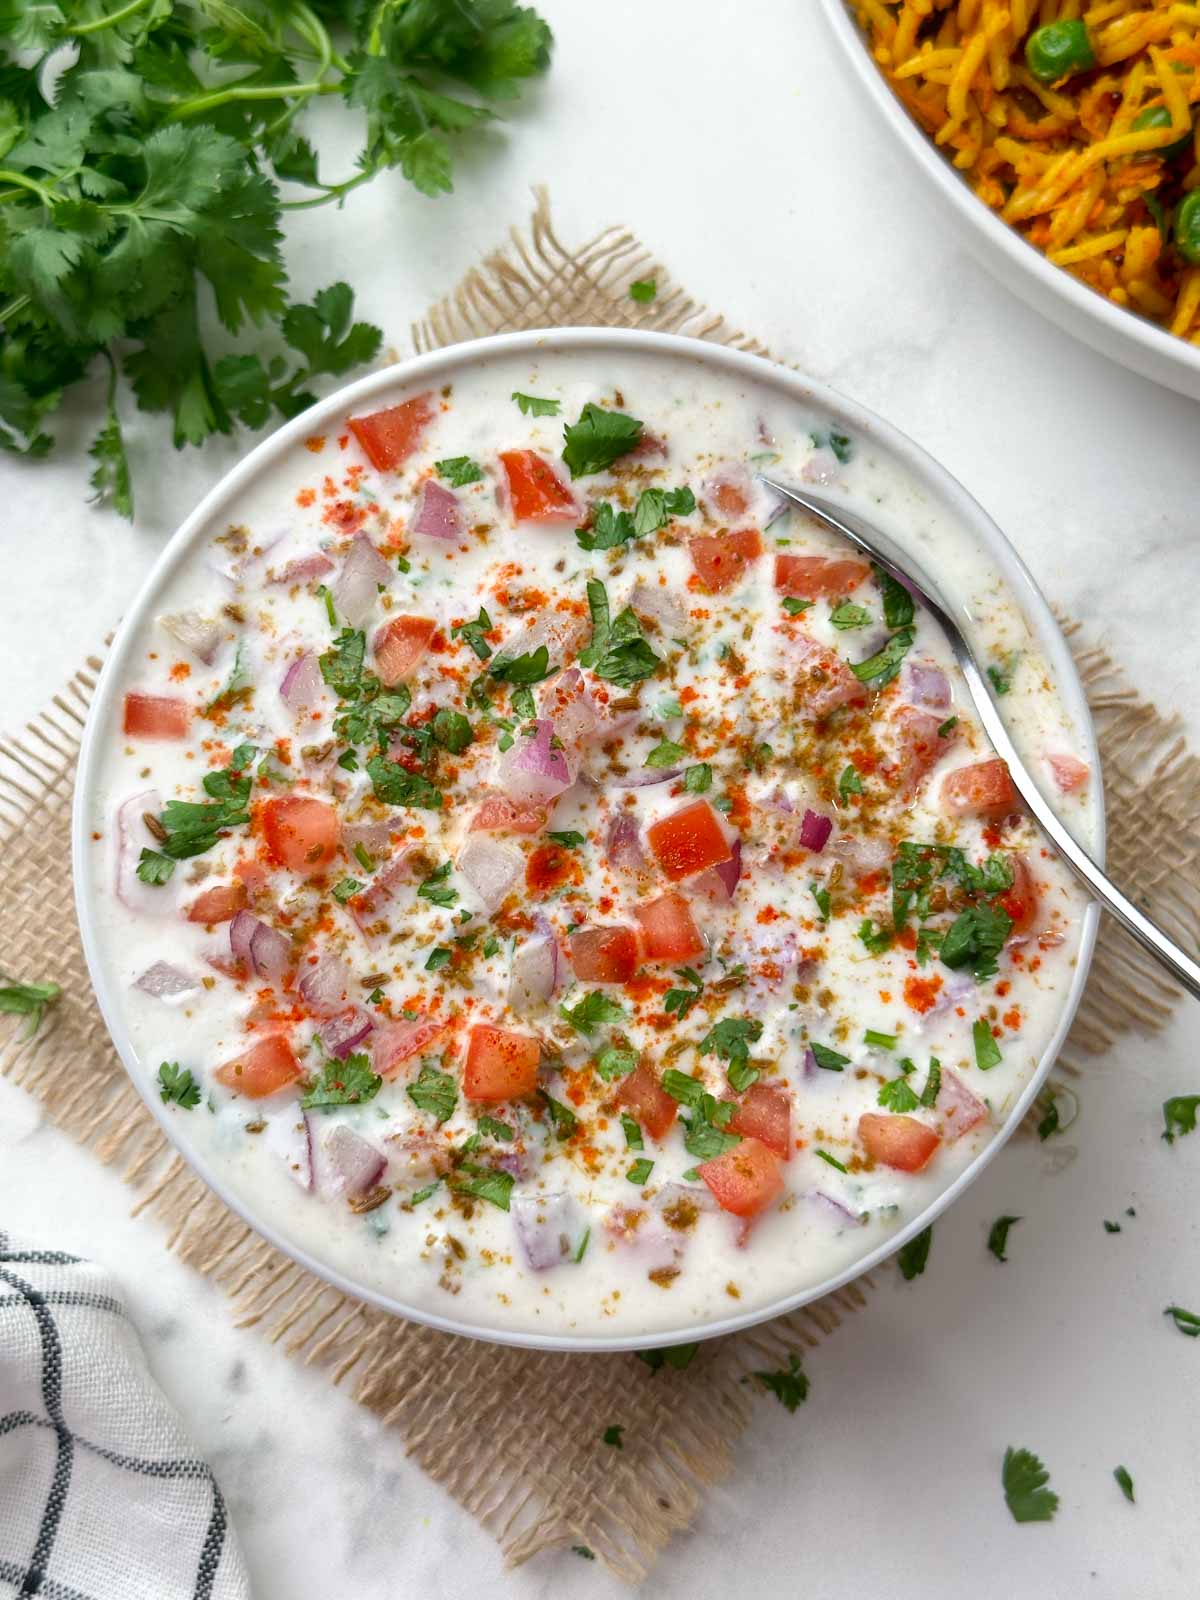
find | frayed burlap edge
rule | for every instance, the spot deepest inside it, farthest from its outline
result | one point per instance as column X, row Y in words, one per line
column 513, row 1434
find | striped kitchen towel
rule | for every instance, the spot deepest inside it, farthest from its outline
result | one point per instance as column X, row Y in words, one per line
column 101, row 1496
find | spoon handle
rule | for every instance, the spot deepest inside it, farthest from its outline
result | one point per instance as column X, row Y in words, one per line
column 880, row 548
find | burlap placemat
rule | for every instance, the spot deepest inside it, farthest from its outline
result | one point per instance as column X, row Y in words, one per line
column 515, row 1435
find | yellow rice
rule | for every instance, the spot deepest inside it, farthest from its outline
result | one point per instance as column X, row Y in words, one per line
column 1061, row 162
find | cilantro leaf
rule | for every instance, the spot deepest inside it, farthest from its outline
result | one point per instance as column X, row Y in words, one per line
column 698, row 779
column 1124, row 1483
column 898, row 609
column 434, row 1092
column 913, row 1256
column 483, row 1183
column 1187, row 1322
column 847, row 615
column 193, row 827
column 897, row 1096
column 595, row 1010
column 615, row 1063
column 677, row 1356
column 643, row 290
column 997, row 1239
column 531, row 405
column 975, row 938
column 396, row 786
column 458, row 471
column 987, row 1051
column 1179, row 1115
column 1024, row 1479
column 731, row 1038
column 829, row 1060
column 598, row 439
column 526, row 669
column 473, row 634
column 343, row 1083
column 678, row 1002
column 154, row 868
column 176, row 1086
column 665, row 754
column 884, row 665
column 789, row 1386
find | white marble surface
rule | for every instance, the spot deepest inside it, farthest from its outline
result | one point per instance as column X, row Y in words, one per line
column 730, row 139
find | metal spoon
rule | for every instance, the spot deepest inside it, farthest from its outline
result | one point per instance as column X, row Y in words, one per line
column 901, row 566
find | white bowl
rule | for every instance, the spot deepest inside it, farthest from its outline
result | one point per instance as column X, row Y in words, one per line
column 436, row 369
column 1123, row 336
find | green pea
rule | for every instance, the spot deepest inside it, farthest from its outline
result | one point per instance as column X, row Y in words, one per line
column 1059, row 50
column 1160, row 117
column 1187, row 228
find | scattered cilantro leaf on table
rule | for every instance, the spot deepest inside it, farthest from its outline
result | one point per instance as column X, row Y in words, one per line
column 914, row 1256
column 997, row 1240
column 29, row 1000
column 1024, row 1479
column 789, row 1385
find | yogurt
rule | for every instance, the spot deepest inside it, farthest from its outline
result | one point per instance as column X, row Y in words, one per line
column 557, row 886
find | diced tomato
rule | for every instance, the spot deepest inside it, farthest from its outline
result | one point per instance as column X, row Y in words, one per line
column 817, row 577
column 984, row 789
column 390, row 436
column 301, row 833
column 1021, row 901
column 645, row 1097
column 156, row 716
column 745, row 1180
column 500, row 1065
column 689, row 840
column 604, row 955
column 919, row 747
column 900, row 1142
column 398, row 1042
column 535, row 491
column 824, row 681
column 218, row 904
column 721, row 561
column 399, row 645
column 669, row 932
column 498, row 814
column 266, row 1067
column 765, row 1114
column 1069, row 772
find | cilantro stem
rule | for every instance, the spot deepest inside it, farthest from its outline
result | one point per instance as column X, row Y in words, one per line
column 332, row 191
column 246, row 91
column 111, row 20
column 19, row 178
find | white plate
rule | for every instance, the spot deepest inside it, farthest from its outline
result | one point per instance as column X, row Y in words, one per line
column 1123, row 336
column 437, row 369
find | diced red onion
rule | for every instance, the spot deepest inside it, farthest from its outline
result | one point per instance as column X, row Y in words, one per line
column 199, row 634
column 289, row 1136
column 660, row 604
column 532, row 771
column 132, row 838
column 925, row 684
column 303, row 569
column 357, row 586
column 345, row 1032
column 302, row 684
column 326, row 986
column 491, row 868
column 370, row 907
column 549, row 1228
column 624, row 846
column 647, row 779
column 354, row 1165
column 256, row 945
column 821, row 467
column 516, row 1163
column 729, row 872
column 437, row 513
column 698, row 1195
column 373, row 836
column 645, row 1234
column 959, row 1109
column 814, row 831
column 833, row 1210
column 569, row 706
column 166, row 982
column 810, row 1064
column 535, row 975
column 400, row 1041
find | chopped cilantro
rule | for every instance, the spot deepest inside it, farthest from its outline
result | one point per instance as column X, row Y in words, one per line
column 1111, row 1227
column 640, row 1170
column 975, row 938
column 458, row 470
column 593, row 1011
column 343, row 1083
column 847, row 615
column 839, row 443
column 1187, row 1322
column 946, row 728
column 789, row 1386
column 435, row 889
column 434, row 1092
column 632, row 1132
column 192, row 827
column 897, row 1096
column 933, row 1083
column 698, row 779
column 681, row 1086
column 677, row 1356
column 569, row 839
column 1124, row 1483
column 1024, row 1479
column 582, row 1550
column 472, row 633
column 731, row 1038
column 987, row 1051
column 612, row 1436
column 532, row 405
column 913, row 1256
column 154, row 868
column 850, row 782
column 821, row 896
column 342, row 665
column 452, row 731
column 598, row 439
column 483, row 1183
column 997, row 1239
column 643, row 290
column 564, row 1119
column 491, row 946
column 898, row 608
column 438, row 958
column 876, row 940
column 1179, row 1115
column 830, row 1160
column 615, row 1063
column 1001, row 678
column 493, row 1128
column 793, row 604
column 532, row 667
column 829, row 1060
column 665, row 754
column 741, row 1075
column 883, row 666
column 881, row 1041
column 396, row 786
column 678, row 1002
column 176, row 1086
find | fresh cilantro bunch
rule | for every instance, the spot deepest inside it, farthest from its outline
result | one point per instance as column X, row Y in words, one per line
column 140, row 183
